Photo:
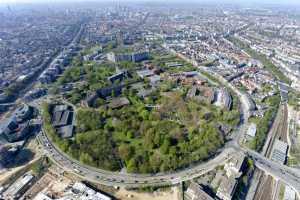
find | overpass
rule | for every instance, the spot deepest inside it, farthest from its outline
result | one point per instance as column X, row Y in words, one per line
column 287, row 175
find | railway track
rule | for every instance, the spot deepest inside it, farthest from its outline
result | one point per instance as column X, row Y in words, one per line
column 278, row 131
column 265, row 188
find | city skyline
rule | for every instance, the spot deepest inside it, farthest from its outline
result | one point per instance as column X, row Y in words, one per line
column 276, row 2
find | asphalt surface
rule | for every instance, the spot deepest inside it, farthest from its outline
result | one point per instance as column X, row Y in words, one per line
column 127, row 179
column 136, row 180
column 287, row 175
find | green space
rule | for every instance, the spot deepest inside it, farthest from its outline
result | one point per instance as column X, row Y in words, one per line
column 263, row 124
column 163, row 131
column 172, row 136
column 294, row 99
column 88, row 77
column 40, row 166
column 162, row 60
column 281, row 191
column 265, row 61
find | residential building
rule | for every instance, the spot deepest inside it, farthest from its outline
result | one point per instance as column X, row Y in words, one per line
column 118, row 102
column 227, row 188
column 224, row 99
column 234, row 167
column 131, row 57
column 118, row 76
column 63, row 120
column 145, row 73
column 14, row 131
column 195, row 192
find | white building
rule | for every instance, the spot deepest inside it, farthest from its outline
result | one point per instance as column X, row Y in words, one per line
column 18, row 187
column 79, row 191
column 279, row 151
column 251, row 130
column 235, row 165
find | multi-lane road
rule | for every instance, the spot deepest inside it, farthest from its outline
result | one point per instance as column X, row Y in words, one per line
column 136, row 180
column 128, row 179
column 287, row 175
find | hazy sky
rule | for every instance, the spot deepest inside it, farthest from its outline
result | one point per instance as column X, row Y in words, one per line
column 219, row 1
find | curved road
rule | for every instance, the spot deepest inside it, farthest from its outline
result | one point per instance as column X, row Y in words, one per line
column 136, row 180
column 288, row 175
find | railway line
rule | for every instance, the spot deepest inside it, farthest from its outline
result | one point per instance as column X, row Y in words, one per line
column 278, row 131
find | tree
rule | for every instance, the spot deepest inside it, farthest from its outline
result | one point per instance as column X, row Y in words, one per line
column 149, row 139
column 86, row 158
column 166, row 145
column 125, row 151
column 155, row 162
column 132, row 165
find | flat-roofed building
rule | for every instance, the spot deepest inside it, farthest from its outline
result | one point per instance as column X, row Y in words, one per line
column 87, row 193
column 195, row 192
column 234, row 167
column 118, row 102
column 13, row 131
column 42, row 196
column 224, row 99
column 118, row 76
column 145, row 73
column 24, row 112
column 251, row 130
column 19, row 187
column 62, row 120
column 227, row 188
column 279, row 151
column 131, row 57
column 174, row 64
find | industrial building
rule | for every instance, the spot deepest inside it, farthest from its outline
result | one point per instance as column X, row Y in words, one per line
column 16, row 190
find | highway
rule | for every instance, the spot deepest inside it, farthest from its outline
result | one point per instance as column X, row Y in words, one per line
column 287, row 175
column 136, row 180
column 127, row 179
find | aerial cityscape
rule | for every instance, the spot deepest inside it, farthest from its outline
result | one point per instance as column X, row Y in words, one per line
column 149, row 100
